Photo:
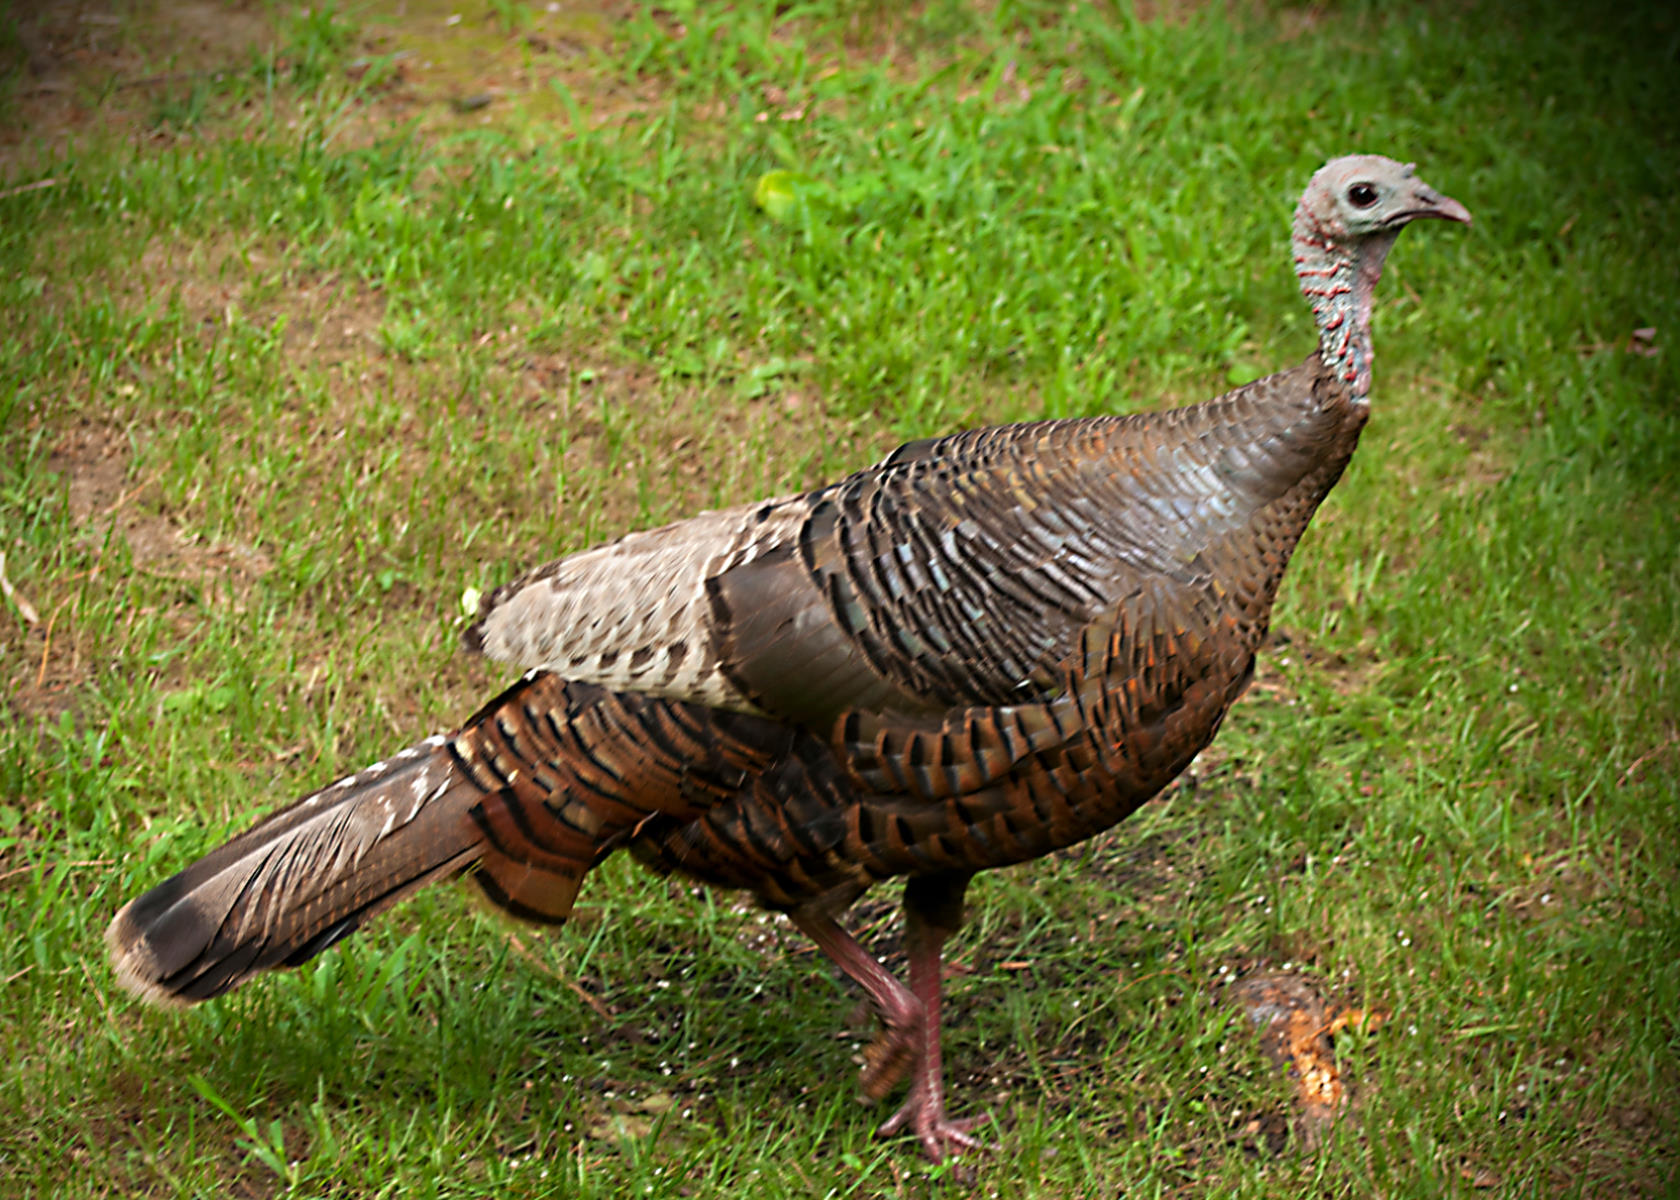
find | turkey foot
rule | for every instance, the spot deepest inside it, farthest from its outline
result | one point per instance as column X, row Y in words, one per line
column 923, row 1114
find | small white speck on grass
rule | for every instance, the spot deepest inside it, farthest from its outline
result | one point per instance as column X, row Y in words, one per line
column 452, row 19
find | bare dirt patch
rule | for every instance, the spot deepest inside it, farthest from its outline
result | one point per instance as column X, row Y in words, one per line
column 95, row 460
column 452, row 66
column 87, row 68
column 49, row 661
column 181, row 68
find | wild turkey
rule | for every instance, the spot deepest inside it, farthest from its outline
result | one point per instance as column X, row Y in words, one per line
column 985, row 647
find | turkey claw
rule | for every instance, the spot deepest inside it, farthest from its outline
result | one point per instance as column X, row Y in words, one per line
column 941, row 1137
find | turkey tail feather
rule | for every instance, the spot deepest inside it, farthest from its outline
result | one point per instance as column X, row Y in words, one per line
column 285, row 890
column 537, row 787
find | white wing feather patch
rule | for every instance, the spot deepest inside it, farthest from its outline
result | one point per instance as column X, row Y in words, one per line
column 634, row 615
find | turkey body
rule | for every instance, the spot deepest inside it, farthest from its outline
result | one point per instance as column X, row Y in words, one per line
column 984, row 648
column 997, row 644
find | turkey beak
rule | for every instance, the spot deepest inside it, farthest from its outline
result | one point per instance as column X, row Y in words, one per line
column 1431, row 205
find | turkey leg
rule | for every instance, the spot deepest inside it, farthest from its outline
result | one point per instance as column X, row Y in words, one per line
column 933, row 911
column 911, row 1039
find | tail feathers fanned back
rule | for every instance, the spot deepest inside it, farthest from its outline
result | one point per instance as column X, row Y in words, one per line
column 288, row 888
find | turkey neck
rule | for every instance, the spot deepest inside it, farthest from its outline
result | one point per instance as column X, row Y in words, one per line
column 1338, row 278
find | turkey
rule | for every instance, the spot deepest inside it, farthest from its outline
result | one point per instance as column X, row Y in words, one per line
column 984, row 648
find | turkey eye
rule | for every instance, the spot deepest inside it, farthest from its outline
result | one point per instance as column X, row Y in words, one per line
column 1363, row 195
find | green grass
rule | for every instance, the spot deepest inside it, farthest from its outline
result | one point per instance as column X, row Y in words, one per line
column 293, row 351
